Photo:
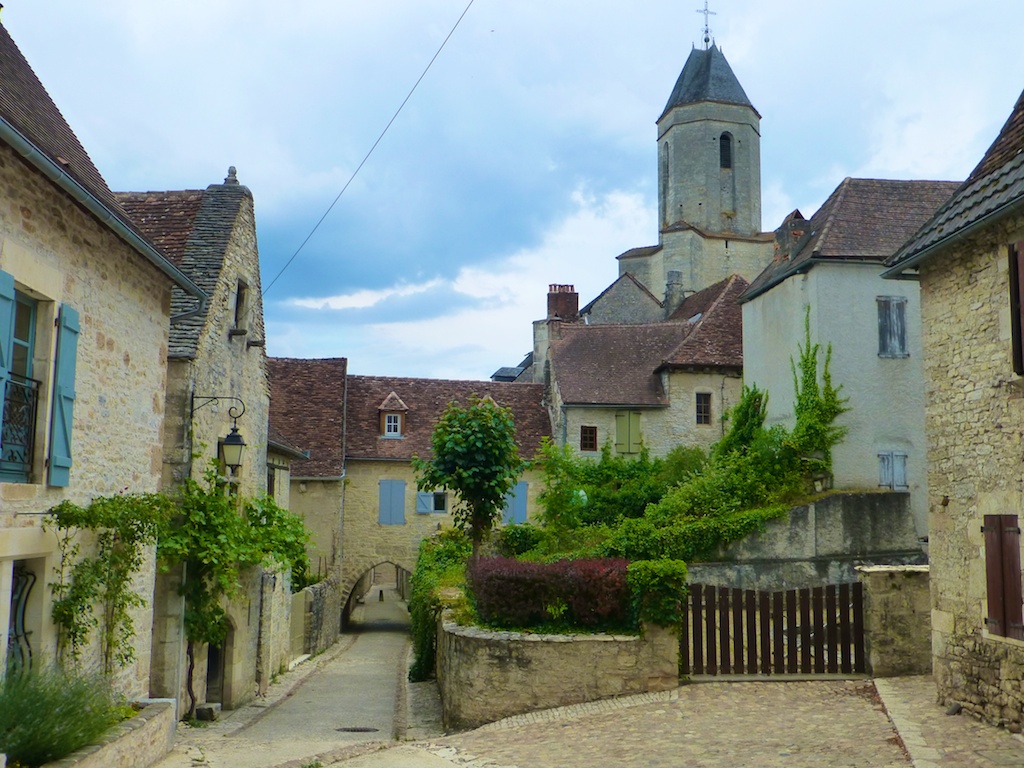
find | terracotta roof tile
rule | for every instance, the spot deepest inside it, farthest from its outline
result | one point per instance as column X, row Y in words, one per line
column 862, row 220
column 426, row 400
column 166, row 218
column 307, row 403
column 620, row 364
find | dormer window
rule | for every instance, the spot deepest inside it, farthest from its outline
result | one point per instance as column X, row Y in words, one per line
column 392, row 416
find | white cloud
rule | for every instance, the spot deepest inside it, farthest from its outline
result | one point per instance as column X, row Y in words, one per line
column 509, row 293
column 365, row 299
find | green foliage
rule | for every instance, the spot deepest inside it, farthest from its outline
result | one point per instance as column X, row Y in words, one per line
column 48, row 713
column 658, row 588
column 513, row 540
column 441, row 563
column 215, row 537
column 122, row 526
column 746, row 421
column 817, row 405
column 579, row 491
column 476, row 457
column 282, row 537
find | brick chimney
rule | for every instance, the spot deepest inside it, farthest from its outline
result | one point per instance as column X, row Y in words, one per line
column 563, row 302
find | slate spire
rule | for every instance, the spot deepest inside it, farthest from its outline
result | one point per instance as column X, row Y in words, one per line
column 707, row 76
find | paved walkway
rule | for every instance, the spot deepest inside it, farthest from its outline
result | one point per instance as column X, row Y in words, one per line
column 797, row 724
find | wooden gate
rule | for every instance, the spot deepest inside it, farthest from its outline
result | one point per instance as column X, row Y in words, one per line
column 800, row 631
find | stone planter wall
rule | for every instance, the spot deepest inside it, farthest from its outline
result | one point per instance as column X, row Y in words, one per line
column 485, row 675
column 135, row 743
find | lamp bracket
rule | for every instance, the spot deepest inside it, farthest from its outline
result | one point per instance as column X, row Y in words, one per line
column 234, row 412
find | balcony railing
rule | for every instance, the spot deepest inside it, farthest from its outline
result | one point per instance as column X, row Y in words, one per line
column 17, row 432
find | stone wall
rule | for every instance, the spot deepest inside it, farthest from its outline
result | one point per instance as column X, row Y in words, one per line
column 485, row 675
column 975, row 419
column 897, row 620
column 322, row 606
column 818, row 543
column 135, row 743
column 58, row 254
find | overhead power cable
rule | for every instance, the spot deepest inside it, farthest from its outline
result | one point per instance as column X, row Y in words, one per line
column 372, row 148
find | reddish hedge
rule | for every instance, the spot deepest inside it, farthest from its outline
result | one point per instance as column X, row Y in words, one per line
column 568, row 593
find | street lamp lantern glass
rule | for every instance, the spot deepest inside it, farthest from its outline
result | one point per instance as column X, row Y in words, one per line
column 231, row 449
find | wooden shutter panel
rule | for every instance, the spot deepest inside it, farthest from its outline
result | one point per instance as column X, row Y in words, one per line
column 424, row 503
column 1003, row 576
column 898, row 326
column 885, row 470
column 621, row 432
column 6, row 334
column 1016, row 259
column 63, row 397
column 392, row 502
column 899, row 470
column 883, row 326
column 398, row 503
column 519, row 502
column 634, row 432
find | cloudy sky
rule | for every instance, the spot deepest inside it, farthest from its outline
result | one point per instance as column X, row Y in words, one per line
column 525, row 157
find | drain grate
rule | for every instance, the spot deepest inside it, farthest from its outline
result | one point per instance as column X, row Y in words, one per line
column 357, row 729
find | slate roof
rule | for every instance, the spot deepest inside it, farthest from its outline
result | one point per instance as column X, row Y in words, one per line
column 426, row 400
column 707, row 76
column 307, row 405
column 620, row 364
column 27, row 108
column 862, row 220
column 193, row 227
column 995, row 188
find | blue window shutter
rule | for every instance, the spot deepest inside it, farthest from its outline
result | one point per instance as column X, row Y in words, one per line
column 885, row 470
column 63, row 396
column 899, row 470
column 392, row 502
column 424, row 503
column 515, row 504
column 6, row 333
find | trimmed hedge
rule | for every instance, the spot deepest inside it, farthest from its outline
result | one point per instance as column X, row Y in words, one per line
column 569, row 593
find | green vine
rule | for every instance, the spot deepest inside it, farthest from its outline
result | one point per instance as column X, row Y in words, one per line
column 215, row 537
column 122, row 526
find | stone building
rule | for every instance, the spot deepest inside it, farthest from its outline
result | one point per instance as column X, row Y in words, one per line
column 827, row 269
column 85, row 305
column 357, row 491
column 216, row 383
column 969, row 259
column 652, row 385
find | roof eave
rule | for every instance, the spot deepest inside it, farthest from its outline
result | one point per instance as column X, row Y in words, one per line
column 99, row 209
column 899, row 268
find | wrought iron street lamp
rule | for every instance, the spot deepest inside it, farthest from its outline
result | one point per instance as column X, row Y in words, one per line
column 232, row 446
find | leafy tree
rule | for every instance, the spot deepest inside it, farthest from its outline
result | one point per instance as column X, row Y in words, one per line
column 476, row 457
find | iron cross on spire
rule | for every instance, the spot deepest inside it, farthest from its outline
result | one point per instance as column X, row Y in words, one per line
column 707, row 27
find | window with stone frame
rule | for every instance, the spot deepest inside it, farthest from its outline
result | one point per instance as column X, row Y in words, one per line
column 1005, row 606
column 391, row 424
column 588, row 438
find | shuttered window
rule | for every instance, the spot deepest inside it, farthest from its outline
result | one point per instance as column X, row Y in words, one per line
column 515, row 504
column 392, row 502
column 627, row 432
column 1016, row 259
column 892, row 326
column 431, row 501
column 1003, row 577
column 892, row 470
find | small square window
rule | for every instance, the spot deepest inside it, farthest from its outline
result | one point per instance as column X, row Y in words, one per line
column 393, row 425
column 703, row 407
column 440, row 501
column 588, row 438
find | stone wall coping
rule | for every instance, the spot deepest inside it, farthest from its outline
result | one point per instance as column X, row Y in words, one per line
column 891, row 568
column 153, row 710
column 461, row 630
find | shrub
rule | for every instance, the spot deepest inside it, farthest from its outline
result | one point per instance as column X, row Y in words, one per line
column 560, row 595
column 441, row 563
column 46, row 714
column 658, row 588
column 515, row 540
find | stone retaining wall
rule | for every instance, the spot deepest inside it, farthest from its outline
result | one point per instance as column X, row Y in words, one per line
column 486, row 675
column 135, row 743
